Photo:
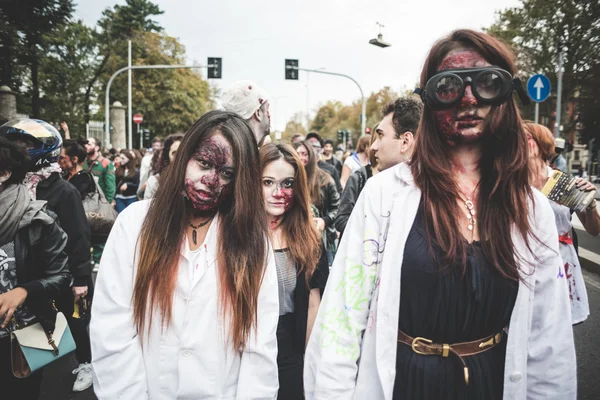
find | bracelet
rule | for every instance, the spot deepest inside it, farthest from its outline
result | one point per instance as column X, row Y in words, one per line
column 592, row 205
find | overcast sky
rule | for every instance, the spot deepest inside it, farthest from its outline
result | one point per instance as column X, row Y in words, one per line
column 255, row 37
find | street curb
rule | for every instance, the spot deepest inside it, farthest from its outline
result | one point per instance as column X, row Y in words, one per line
column 589, row 266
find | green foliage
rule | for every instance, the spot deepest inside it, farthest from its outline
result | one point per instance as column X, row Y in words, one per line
column 334, row 115
column 538, row 30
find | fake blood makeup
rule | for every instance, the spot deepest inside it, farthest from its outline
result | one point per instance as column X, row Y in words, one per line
column 209, row 174
column 463, row 122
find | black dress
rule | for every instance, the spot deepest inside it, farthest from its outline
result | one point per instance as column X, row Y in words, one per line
column 447, row 308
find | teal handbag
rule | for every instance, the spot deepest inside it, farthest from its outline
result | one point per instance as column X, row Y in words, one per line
column 32, row 348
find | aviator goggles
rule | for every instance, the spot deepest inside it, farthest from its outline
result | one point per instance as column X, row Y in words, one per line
column 490, row 85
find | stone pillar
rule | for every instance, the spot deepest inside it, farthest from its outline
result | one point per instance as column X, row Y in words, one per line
column 119, row 127
column 8, row 104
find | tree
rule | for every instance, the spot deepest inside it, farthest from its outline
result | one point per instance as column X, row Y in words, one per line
column 539, row 29
column 65, row 70
column 26, row 25
column 294, row 126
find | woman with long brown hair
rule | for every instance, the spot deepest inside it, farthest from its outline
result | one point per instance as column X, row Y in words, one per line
column 128, row 179
column 302, row 266
column 323, row 195
column 541, row 152
column 359, row 159
column 448, row 281
column 186, row 303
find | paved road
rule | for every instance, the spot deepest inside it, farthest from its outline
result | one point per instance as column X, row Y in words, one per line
column 58, row 379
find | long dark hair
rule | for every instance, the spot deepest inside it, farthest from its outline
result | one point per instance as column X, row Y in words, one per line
column 130, row 167
column 317, row 178
column 298, row 230
column 242, row 246
column 504, row 190
column 163, row 160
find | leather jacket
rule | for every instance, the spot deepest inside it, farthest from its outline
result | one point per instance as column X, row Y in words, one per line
column 330, row 199
column 42, row 265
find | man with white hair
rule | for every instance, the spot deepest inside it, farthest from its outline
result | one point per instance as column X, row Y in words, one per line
column 250, row 102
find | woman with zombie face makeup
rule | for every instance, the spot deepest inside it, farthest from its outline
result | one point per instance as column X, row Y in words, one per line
column 302, row 266
column 186, row 302
column 541, row 152
column 128, row 179
column 450, row 281
column 166, row 157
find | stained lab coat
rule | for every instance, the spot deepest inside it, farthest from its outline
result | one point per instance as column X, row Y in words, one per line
column 192, row 358
column 351, row 353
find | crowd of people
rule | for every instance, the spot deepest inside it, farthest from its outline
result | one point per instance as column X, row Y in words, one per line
column 425, row 264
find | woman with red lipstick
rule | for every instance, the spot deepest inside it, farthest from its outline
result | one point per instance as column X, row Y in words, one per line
column 302, row 267
column 186, row 303
column 448, row 282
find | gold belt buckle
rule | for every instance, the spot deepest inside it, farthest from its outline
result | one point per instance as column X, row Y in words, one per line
column 416, row 341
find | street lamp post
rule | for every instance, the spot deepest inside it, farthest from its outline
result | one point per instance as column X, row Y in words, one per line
column 128, row 68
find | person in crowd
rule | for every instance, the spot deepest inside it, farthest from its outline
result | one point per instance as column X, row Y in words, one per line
column 541, row 151
column 136, row 155
column 301, row 261
column 559, row 161
column 354, row 186
column 315, row 140
column 297, row 138
column 33, row 265
column 250, row 102
column 453, row 286
column 103, row 170
column 148, row 164
column 323, row 195
column 112, row 152
column 167, row 155
column 189, row 295
column 359, row 159
column 128, row 179
column 44, row 144
column 329, row 157
column 392, row 143
column 339, row 154
column 71, row 160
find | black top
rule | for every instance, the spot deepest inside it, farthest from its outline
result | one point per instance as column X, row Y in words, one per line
column 447, row 308
column 337, row 164
column 65, row 201
column 84, row 183
column 132, row 184
column 301, row 294
column 352, row 190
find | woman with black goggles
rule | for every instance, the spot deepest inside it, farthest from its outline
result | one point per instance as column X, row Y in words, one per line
column 449, row 280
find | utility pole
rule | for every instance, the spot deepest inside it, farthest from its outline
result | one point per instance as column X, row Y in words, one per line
column 129, row 111
column 559, row 94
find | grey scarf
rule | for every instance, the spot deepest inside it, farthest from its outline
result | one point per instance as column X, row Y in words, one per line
column 16, row 211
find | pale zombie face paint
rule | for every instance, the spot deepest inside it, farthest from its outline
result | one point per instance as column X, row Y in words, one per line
column 303, row 154
column 210, row 173
column 463, row 123
column 278, row 187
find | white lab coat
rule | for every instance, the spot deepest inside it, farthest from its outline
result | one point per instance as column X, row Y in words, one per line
column 351, row 353
column 192, row 358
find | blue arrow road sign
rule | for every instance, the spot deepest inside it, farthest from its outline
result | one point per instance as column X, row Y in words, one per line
column 538, row 88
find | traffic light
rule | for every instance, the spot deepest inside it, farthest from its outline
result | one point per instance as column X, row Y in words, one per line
column 291, row 69
column 215, row 65
column 146, row 137
column 340, row 136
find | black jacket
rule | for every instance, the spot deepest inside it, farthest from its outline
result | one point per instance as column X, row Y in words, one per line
column 132, row 184
column 64, row 199
column 330, row 169
column 330, row 202
column 354, row 186
column 336, row 163
column 42, row 265
column 301, row 297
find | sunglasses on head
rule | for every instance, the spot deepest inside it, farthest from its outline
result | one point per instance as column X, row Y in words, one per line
column 490, row 86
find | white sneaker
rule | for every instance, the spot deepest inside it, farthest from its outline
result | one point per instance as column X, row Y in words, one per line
column 84, row 377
